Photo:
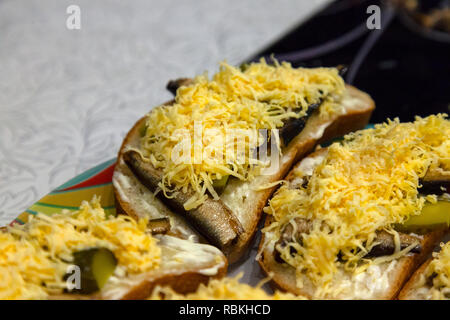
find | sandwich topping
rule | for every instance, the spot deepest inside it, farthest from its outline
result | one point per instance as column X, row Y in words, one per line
column 363, row 189
column 438, row 274
column 259, row 96
column 35, row 257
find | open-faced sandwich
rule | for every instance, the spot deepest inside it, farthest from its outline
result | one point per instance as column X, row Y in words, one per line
column 432, row 280
column 210, row 159
column 355, row 219
column 87, row 255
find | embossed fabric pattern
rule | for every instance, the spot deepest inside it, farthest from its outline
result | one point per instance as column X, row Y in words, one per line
column 67, row 97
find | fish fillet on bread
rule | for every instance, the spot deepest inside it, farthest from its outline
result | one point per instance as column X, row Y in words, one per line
column 85, row 254
column 223, row 205
column 355, row 219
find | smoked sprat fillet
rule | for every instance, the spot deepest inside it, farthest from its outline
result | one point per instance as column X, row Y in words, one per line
column 212, row 215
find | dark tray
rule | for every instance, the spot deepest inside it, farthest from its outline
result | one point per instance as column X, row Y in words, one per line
column 403, row 66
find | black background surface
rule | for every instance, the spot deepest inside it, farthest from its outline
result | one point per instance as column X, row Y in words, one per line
column 406, row 71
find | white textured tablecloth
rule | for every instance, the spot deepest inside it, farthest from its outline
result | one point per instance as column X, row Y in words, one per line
column 67, row 97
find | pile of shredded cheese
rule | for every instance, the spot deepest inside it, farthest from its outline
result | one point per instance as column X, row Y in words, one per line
column 439, row 270
column 260, row 97
column 34, row 257
column 23, row 267
column 366, row 183
column 223, row 289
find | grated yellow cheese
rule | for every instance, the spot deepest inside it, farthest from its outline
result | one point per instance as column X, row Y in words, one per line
column 439, row 269
column 23, row 267
column 223, row 289
column 366, row 183
column 260, row 97
column 34, row 257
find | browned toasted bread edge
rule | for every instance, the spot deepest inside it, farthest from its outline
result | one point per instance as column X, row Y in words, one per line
column 407, row 290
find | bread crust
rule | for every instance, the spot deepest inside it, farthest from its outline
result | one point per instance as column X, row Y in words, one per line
column 284, row 278
column 353, row 120
column 183, row 283
column 407, row 292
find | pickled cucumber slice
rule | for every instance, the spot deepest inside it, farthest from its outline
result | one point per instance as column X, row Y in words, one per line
column 433, row 216
column 220, row 184
column 103, row 265
column 96, row 266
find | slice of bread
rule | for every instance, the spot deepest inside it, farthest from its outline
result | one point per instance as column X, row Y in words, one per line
column 412, row 290
column 184, row 266
column 378, row 282
column 240, row 196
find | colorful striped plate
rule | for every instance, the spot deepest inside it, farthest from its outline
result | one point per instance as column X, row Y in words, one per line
column 95, row 181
